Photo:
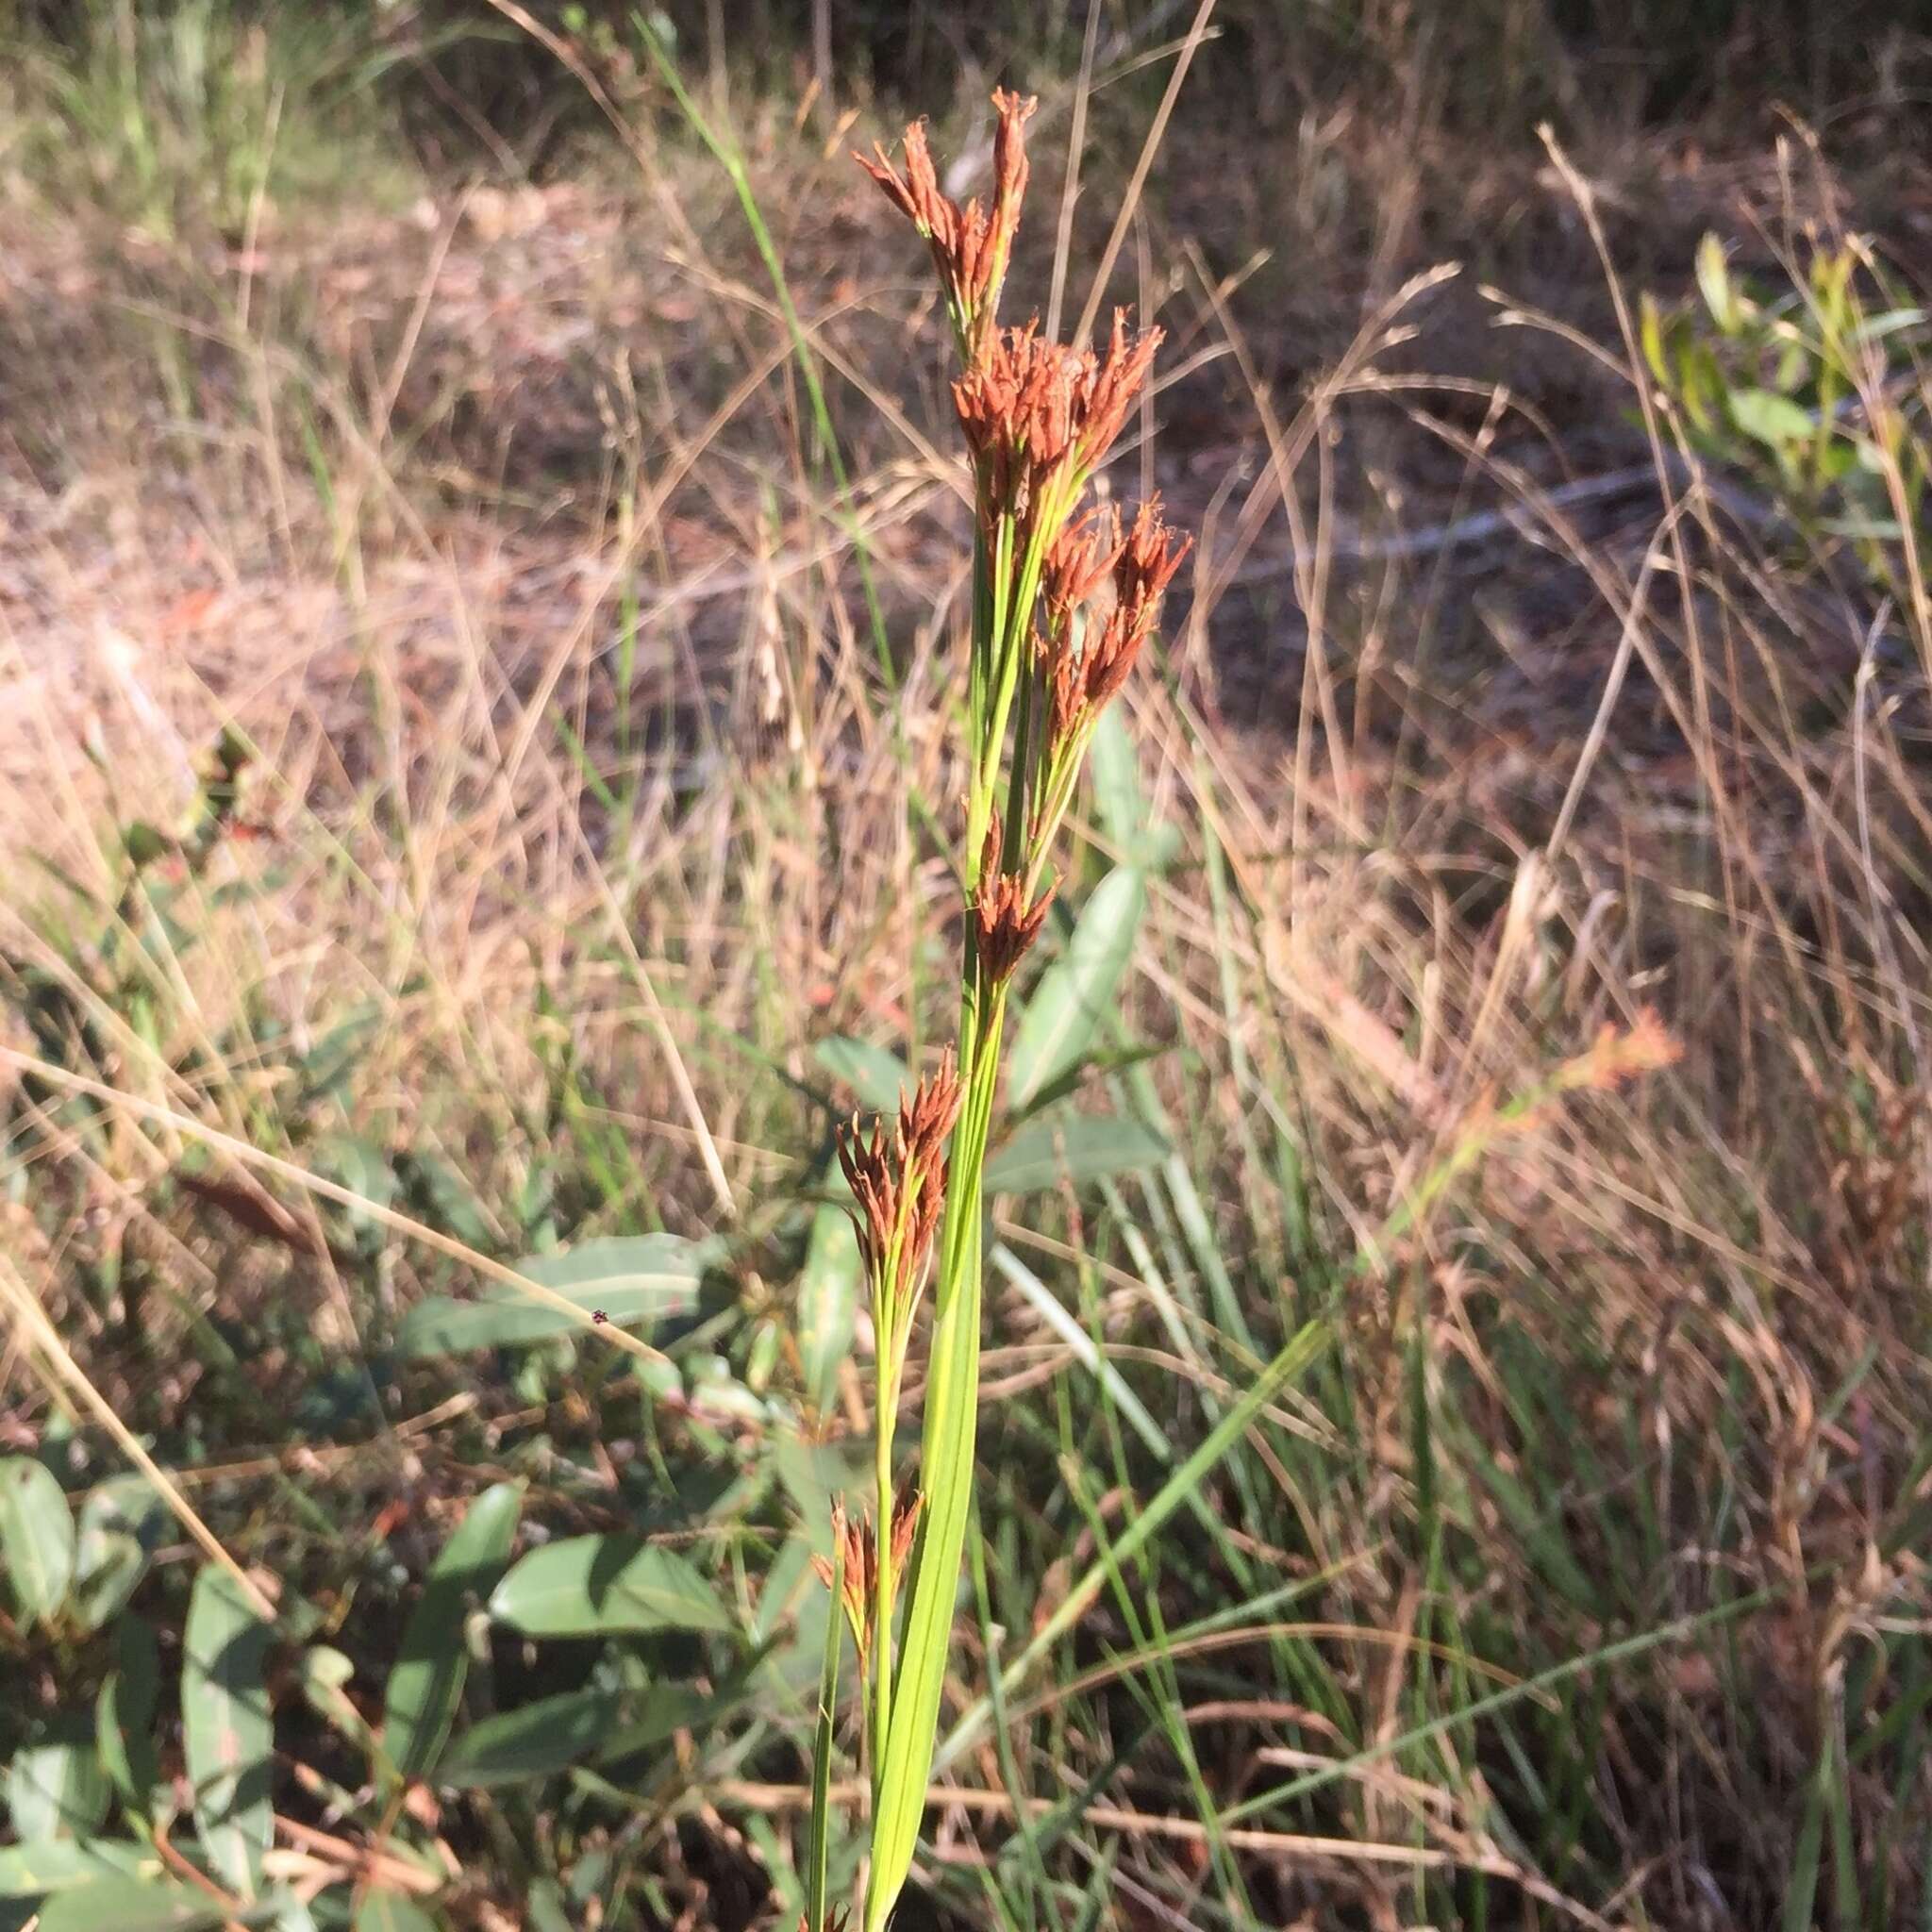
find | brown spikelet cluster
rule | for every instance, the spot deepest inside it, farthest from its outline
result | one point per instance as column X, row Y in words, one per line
column 1035, row 412
column 969, row 245
column 1080, row 559
column 898, row 1180
column 1615, row 1056
column 1081, row 680
column 1004, row 926
column 858, row 1575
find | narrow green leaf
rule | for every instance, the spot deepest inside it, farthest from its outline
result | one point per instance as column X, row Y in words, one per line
column 36, row 1538
column 1293, row 1359
column 132, row 1905
column 228, row 1729
column 829, row 1290
column 1801, row 1884
column 590, row 1586
column 1714, row 282
column 1078, row 990
column 324, row 1672
column 1075, row 1148
column 426, row 1683
column 874, row 1073
column 55, row 1785
column 819, row 1846
column 534, row 1740
column 634, row 1279
column 946, row 1457
column 122, row 1525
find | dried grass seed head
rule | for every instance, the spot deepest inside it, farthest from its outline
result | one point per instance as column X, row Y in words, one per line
column 1078, row 562
column 1142, row 572
column 1004, row 926
column 971, row 247
column 898, row 1178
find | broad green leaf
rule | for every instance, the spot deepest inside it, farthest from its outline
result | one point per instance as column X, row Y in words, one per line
column 133, row 1905
column 1075, row 1148
column 828, row 1293
column 36, row 1538
column 122, row 1525
column 590, row 1586
column 426, row 1683
column 1079, row 990
column 667, row 1709
column 634, row 1279
column 532, row 1742
column 57, row 1864
column 228, row 1731
column 55, row 1785
column 874, row 1073
column 1770, row 418
column 124, row 1713
column 545, row 1907
column 392, row 1911
column 1115, row 765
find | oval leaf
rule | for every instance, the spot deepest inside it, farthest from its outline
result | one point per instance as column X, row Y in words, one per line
column 59, row 1864
column 533, row 1741
column 55, row 1786
column 122, row 1525
column 229, row 1730
column 1770, row 418
column 124, row 1713
column 587, row 1586
column 635, row 1279
column 131, row 1905
column 426, row 1684
column 873, row 1073
column 1078, row 989
column 1074, row 1147
column 36, row 1538
column 392, row 1911
column 828, row 1286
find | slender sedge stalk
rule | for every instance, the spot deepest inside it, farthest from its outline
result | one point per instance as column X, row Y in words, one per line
column 1039, row 418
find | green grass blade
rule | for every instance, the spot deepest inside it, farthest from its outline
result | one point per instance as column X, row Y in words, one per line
column 818, row 1870
column 1300, row 1350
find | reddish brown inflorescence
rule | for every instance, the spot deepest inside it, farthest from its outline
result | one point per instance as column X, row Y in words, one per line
column 1036, row 412
column 1004, row 926
column 898, row 1179
column 970, row 246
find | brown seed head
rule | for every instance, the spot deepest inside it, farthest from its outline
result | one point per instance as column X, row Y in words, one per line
column 971, row 248
column 1006, row 925
column 1115, row 383
column 905, row 1522
column 857, row 1576
column 898, row 1180
column 1034, row 410
column 1078, row 562
column 1142, row 570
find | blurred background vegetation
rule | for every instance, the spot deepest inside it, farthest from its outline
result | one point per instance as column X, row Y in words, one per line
column 480, row 557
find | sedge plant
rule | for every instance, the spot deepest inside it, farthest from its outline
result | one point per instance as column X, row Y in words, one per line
column 1065, row 596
